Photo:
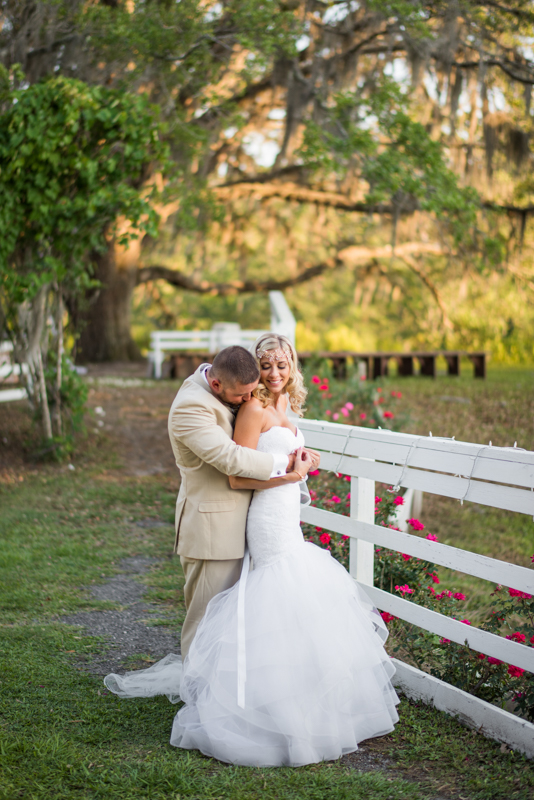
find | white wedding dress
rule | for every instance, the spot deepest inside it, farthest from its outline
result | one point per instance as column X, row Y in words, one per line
column 288, row 666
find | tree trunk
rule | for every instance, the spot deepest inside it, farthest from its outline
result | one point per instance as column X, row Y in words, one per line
column 104, row 321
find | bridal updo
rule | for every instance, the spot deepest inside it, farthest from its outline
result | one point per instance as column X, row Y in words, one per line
column 294, row 388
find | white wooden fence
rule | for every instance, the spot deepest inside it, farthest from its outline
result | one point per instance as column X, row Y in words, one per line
column 494, row 476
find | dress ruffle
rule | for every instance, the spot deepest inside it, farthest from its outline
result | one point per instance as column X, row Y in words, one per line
column 318, row 680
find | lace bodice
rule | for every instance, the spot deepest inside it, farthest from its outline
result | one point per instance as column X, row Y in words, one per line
column 273, row 522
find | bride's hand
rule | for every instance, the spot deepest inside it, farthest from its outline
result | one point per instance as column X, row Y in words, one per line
column 315, row 457
column 303, row 462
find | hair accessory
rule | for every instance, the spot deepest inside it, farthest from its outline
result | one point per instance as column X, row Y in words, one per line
column 274, row 355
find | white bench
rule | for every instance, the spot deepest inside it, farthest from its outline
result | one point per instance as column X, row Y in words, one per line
column 492, row 476
column 10, row 373
column 222, row 334
column 163, row 342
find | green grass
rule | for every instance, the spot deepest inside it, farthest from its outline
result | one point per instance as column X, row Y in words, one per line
column 63, row 736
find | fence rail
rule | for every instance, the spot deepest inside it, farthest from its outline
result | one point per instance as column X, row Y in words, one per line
column 494, row 476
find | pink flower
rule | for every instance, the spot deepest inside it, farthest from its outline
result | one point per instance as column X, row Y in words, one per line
column 405, row 557
column 378, row 500
column 492, row 660
column 431, row 589
column 379, row 389
column 323, row 388
column 313, row 494
column 388, row 415
column 459, row 596
column 465, row 621
column 387, row 617
column 444, row 641
column 481, row 656
column 517, row 593
column 335, row 416
column 345, row 537
column 416, row 525
column 327, row 412
column 532, row 640
column 316, row 379
column 363, row 415
column 532, row 558
column 336, row 499
column 348, row 495
column 399, row 501
column 350, row 406
column 517, row 637
column 434, row 577
column 318, row 530
column 515, row 672
column 347, row 478
column 363, row 378
column 324, row 538
column 431, row 537
column 404, row 589
column 345, row 412
column 313, row 472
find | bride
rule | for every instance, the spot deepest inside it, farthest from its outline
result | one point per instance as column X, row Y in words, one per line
column 287, row 667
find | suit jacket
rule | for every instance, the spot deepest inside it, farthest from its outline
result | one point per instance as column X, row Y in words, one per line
column 210, row 517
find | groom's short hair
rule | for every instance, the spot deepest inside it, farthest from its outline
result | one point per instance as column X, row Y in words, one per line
column 235, row 365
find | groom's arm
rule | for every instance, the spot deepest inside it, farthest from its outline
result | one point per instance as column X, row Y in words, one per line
column 196, row 429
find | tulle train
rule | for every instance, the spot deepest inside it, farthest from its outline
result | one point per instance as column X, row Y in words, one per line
column 317, row 676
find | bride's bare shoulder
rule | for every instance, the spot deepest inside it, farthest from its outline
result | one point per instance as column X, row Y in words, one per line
column 249, row 423
column 251, row 410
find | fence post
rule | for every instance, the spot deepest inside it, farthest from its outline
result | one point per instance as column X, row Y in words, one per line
column 362, row 508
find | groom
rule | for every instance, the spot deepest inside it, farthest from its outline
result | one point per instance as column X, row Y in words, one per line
column 211, row 517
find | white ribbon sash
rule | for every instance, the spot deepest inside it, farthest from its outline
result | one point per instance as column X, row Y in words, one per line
column 241, row 648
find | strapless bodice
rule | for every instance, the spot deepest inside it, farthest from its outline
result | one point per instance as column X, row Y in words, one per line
column 273, row 522
column 280, row 440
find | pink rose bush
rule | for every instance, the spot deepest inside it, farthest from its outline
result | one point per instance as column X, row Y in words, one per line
column 352, row 402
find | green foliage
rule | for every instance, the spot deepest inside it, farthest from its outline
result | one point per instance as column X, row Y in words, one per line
column 371, row 129
column 72, row 160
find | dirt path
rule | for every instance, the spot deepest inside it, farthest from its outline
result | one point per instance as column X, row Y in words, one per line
column 133, row 412
column 127, row 631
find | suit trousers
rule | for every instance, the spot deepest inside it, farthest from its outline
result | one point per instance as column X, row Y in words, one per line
column 203, row 580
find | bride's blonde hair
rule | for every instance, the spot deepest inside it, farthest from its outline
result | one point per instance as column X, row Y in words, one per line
column 295, row 386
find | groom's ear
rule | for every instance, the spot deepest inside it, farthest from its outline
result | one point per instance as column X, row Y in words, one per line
column 216, row 385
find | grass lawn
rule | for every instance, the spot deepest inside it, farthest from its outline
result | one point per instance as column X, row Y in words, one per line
column 62, row 735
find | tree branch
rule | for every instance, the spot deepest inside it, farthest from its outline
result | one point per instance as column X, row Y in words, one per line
column 181, row 281
column 258, row 185
column 347, row 255
column 298, row 194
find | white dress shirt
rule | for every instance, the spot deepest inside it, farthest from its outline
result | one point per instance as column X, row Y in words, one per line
column 280, row 461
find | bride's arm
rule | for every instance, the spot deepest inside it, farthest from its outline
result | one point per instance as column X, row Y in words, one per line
column 302, row 465
column 249, row 423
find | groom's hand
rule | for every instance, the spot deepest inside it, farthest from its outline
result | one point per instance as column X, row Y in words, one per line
column 291, row 462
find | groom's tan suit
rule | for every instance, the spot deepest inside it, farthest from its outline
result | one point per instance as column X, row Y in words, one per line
column 210, row 517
